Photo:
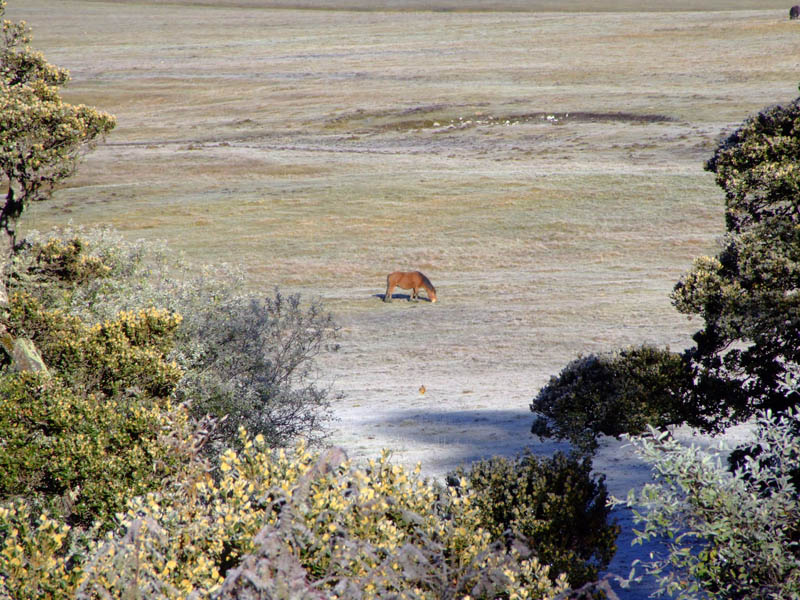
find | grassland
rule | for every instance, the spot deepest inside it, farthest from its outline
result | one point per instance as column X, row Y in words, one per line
column 543, row 168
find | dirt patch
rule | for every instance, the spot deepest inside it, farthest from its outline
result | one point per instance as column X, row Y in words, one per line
column 440, row 117
column 593, row 117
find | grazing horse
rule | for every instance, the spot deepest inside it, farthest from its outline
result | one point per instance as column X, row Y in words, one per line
column 794, row 12
column 409, row 280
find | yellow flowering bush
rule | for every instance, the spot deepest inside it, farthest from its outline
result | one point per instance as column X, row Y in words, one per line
column 109, row 357
column 278, row 518
column 52, row 269
column 67, row 261
column 98, row 427
column 32, row 563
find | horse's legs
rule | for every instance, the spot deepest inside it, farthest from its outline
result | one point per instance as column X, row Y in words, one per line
column 414, row 294
column 387, row 297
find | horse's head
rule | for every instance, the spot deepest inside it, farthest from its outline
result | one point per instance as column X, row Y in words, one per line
column 432, row 295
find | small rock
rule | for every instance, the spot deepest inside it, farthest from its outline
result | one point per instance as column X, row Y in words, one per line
column 25, row 356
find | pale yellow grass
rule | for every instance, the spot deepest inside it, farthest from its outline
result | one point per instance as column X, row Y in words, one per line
column 543, row 168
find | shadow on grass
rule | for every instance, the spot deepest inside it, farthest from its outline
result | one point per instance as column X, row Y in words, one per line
column 465, row 436
column 406, row 297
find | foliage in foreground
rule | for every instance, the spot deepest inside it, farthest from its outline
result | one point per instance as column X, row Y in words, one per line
column 730, row 535
column 552, row 504
column 284, row 524
column 612, row 394
column 97, row 427
column 246, row 358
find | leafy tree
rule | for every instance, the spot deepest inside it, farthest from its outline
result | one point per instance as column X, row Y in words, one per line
column 729, row 535
column 41, row 137
column 749, row 294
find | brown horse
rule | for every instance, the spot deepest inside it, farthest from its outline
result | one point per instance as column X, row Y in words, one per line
column 409, row 280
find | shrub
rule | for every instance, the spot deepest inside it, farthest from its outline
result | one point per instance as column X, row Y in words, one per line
column 82, row 455
column 729, row 535
column 613, row 394
column 285, row 523
column 251, row 361
column 552, row 504
column 52, row 268
column 127, row 353
column 96, row 274
column 291, row 520
column 98, row 427
column 247, row 358
column 32, row 555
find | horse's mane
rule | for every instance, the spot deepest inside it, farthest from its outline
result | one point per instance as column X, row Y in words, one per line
column 427, row 282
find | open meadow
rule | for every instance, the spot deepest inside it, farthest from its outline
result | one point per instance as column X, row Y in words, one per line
column 544, row 167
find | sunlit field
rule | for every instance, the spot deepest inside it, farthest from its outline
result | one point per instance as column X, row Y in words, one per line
column 544, row 168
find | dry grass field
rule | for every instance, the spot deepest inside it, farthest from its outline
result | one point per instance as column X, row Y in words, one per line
column 544, row 168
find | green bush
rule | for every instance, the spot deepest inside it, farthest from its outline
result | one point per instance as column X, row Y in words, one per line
column 127, row 353
column 552, row 504
column 729, row 535
column 98, row 427
column 95, row 274
column 613, row 394
column 250, row 359
column 82, row 455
